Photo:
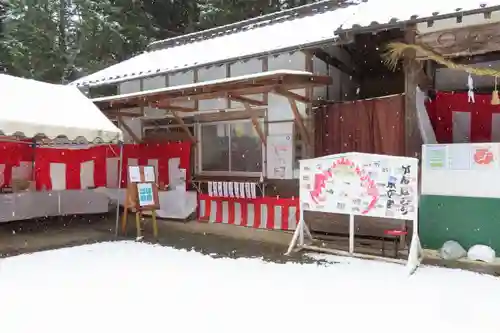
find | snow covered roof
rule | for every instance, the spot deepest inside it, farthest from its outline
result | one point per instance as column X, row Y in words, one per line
column 32, row 108
column 303, row 27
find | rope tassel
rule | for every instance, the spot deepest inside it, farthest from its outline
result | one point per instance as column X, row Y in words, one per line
column 495, row 99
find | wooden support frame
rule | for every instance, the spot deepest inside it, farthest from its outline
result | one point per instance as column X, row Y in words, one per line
column 289, row 94
column 183, row 126
column 251, row 85
column 120, row 113
column 304, row 134
column 168, row 106
column 243, row 99
column 128, row 130
column 255, row 122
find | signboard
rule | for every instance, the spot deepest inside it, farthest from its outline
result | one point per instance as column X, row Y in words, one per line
column 280, row 156
column 142, row 190
column 461, row 169
column 142, row 195
column 360, row 184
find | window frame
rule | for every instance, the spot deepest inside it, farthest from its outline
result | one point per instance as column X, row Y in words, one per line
column 189, row 126
column 199, row 146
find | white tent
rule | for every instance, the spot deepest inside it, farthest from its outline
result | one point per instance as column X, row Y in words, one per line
column 32, row 108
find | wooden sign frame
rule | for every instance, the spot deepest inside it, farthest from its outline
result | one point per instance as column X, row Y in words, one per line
column 132, row 197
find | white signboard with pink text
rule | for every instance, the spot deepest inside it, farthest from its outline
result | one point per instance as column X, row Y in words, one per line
column 360, row 184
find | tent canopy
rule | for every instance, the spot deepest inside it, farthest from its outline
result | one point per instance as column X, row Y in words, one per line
column 32, row 108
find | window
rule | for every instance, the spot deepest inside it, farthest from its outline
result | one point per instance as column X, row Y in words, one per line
column 230, row 147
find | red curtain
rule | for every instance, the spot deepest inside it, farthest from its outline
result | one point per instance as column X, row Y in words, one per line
column 12, row 153
column 441, row 112
column 163, row 152
column 73, row 158
column 368, row 126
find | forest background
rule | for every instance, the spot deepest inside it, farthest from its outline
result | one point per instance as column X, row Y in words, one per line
column 60, row 40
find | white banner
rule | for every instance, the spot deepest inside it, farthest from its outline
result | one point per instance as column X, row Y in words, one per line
column 360, row 184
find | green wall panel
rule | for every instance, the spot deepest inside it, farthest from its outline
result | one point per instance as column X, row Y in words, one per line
column 466, row 220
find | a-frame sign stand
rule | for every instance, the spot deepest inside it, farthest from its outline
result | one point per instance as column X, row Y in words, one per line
column 141, row 196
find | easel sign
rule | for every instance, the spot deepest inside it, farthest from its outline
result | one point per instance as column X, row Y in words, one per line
column 142, row 195
column 360, row 184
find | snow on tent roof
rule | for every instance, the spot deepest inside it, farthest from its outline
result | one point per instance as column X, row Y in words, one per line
column 31, row 108
column 290, row 30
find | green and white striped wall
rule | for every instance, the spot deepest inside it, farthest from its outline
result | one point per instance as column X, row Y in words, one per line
column 460, row 198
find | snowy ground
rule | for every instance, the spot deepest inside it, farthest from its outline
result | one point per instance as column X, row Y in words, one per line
column 134, row 287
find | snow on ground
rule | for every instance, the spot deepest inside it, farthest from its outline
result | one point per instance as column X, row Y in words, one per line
column 136, row 287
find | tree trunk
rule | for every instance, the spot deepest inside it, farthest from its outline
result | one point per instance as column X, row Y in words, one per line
column 62, row 38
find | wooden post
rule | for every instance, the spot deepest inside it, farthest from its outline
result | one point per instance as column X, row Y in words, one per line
column 128, row 130
column 255, row 122
column 183, row 125
column 300, row 122
column 411, row 67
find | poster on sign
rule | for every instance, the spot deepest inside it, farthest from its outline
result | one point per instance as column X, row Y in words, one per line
column 359, row 184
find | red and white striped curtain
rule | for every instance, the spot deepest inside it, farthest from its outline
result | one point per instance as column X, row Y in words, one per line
column 455, row 120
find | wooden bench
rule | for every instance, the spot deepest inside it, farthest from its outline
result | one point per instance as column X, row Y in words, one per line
column 368, row 228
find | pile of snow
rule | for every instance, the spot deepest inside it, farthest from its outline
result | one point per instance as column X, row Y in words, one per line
column 452, row 250
column 481, row 253
column 133, row 287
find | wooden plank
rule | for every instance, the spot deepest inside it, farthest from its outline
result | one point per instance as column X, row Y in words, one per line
column 214, row 90
column 243, row 99
column 470, row 40
column 289, row 94
column 300, row 122
column 166, row 105
column 128, row 130
column 119, row 113
column 256, row 124
column 184, row 127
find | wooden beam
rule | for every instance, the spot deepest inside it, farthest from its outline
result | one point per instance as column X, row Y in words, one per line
column 212, row 91
column 243, row 99
column 183, row 125
column 463, row 41
column 289, row 94
column 299, row 121
column 255, row 122
column 128, row 130
column 122, row 113
column 166, row 105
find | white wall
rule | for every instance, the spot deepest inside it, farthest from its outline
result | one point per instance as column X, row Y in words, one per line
column 209, row 74
column 240, row 68
column 150, row 84
column 320, row 68
column 281, row 114
column 447, row 79
column 134, row 123
column 182, row 78
column 278, row 106
column 343, row 86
